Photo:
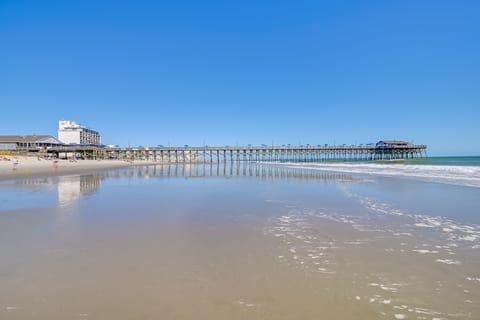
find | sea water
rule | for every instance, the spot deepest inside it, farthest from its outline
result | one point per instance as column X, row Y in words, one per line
column 242, row 241
column 462, row 171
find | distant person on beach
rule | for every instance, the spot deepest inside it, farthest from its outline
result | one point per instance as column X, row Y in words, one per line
column 55, row 164
column 15, row 165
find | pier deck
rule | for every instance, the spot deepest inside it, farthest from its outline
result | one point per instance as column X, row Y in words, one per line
column 243, row 153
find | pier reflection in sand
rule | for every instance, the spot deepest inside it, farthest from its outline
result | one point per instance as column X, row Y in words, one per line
column 71, row 188
column 235, row 241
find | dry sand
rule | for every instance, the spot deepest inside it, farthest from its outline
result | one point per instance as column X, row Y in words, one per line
column 18, row 166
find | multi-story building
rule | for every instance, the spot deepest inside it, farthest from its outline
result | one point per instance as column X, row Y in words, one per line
column 71, row 132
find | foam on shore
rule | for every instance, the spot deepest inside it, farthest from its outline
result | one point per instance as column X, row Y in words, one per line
column 456, row 175
column 307, row 243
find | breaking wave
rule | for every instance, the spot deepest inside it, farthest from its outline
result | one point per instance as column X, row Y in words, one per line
column 456, row 175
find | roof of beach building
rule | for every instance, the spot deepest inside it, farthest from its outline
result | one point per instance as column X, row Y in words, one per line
column 29, row 138
column 393, row 142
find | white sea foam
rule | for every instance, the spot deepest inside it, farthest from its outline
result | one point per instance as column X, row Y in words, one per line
column 246, row 304
column 13, row 308
column 448, row 261
column 453, row 231
column 304, row 246
column 424, row 251
column 473, row 279
column 457, row 175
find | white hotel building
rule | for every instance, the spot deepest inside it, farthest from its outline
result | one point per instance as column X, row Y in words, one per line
column 70, row 132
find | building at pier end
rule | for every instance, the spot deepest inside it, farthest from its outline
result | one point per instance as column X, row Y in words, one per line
column 71, row 132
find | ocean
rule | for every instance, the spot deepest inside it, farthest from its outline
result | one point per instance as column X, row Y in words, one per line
column 446, row 161
column 244, row 241
column 463, row 171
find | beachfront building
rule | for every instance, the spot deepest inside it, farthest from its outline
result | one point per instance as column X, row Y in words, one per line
column 32, row 141
column 71, row 132
column 393, row 143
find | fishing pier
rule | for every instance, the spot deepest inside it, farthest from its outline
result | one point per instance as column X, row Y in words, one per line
column 207, row 154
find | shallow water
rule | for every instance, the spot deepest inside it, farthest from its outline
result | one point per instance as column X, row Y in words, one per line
column 238, row 242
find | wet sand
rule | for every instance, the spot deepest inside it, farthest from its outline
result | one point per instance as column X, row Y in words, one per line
column 205, row 242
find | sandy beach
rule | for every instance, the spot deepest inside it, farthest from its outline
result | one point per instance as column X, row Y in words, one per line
column 18, row 166
column 236, row 241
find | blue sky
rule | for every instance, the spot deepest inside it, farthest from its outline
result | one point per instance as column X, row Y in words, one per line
column 245, row 72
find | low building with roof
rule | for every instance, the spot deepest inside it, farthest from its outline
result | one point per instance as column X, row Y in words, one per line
column 15, row 142
column 393, row 143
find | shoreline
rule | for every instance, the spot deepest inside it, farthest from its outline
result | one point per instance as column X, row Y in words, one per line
column 23, row 167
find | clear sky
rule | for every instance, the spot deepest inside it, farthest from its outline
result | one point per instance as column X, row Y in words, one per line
column 245, row 72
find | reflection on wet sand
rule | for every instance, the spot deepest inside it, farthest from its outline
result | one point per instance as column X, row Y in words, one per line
column 90, row 182
column 72, row 187
column 69, row 188
column 236, row 169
